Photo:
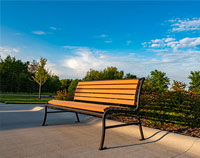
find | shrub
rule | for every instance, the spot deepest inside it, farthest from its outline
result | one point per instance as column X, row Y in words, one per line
column 62, row 95
column 176, row 107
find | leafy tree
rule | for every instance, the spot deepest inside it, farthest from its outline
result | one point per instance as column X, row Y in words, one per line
column 41, row 74
column 195, row 81
column 106, row 74
column 65, row 83
column 112, row 73
column 72, row 88
column 93, row 75
column 129, row 76
column 157, row 81
column 52, row 84
column 147, row 86
column 13, row 75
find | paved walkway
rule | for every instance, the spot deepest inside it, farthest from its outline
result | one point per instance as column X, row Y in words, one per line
column 22, row 136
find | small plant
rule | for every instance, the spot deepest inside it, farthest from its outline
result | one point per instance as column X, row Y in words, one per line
column 62, row 95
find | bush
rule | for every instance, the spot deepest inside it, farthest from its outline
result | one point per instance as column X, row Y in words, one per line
column 176, row 107
column 62, row 95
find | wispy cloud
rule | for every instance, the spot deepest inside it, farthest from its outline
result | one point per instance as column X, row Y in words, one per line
column 53, row 28
column 5, row 51
column 108, row 41
column 39, row 32
column 179, row 25
column 185, row 43
column 103, row 35
column 74, row 47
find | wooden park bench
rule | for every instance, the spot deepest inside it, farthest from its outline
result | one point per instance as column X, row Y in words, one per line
column 100, row 98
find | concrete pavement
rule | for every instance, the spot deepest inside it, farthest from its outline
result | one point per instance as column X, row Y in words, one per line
column 22, row 136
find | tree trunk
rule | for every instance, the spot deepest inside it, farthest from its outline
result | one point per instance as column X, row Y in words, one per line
column 40, row 87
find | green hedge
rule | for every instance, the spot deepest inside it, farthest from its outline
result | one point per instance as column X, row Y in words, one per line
column 176, row 107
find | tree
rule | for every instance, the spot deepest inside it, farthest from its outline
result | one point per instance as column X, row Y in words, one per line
column 112, row 73
column 52, row 84
column 65, row 83
column 41, row 74
column 13, row 75
column 107, row 74
column 129, row 76
column 93, row 75
column 72, row 88
column 157, row 81
column 195, row 81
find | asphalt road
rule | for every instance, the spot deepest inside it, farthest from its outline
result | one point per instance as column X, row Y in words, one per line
column 22, row 136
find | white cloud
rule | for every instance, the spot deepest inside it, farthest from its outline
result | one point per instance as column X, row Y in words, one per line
column 53, row 28
column 39, row 32
column 155, row 45
column 5, row 51
column 84, row 60
column 188, row 43
column 169, row 39
column 103, row 35
column 179, row 25
column 176, row 65
column 109, row 41
column 75, row 47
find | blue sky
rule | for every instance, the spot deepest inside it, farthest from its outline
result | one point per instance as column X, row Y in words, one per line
column 136, row 37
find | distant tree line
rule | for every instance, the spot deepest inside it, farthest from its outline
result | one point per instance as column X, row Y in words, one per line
column 18, row 76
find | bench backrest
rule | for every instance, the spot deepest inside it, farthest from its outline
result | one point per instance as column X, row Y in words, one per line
column 124, row 92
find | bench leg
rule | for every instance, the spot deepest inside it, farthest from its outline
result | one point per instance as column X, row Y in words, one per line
column 140, row 127
column 78, row 120
column 45, row 116
column 103, row 131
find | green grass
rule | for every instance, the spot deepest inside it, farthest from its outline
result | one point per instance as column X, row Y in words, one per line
column 26, row 93
column 24, row 99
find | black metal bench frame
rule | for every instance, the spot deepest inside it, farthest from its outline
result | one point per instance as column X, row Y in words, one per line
column 103, row 115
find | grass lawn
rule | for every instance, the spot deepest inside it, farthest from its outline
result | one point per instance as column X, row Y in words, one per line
column 25, row 93
column 24, row 99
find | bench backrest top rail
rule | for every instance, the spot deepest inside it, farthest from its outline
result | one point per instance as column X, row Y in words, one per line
column 123, row 92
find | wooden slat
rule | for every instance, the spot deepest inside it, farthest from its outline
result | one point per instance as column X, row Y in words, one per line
column 131, row 81
column 78, row 105
column 108, row 86
column 116, row 96
column 114, row 101
column 107, row 91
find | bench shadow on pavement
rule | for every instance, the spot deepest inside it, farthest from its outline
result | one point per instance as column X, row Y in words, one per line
column 142, row 142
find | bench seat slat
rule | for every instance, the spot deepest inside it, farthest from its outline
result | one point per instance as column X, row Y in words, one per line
column 131, row 81
column 80, row 105
column 116, row 96
column 104, row 100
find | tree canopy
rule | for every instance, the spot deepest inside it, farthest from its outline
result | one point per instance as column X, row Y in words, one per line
column 107, row 74
column 157, row 81
column 41, row 74
column 195, row 81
